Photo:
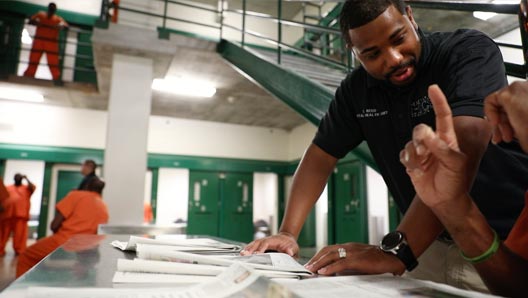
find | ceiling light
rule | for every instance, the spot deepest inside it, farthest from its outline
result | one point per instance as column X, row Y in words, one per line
column 13, row 93
column 193, row 88
column 26, row 39
column 483, row 15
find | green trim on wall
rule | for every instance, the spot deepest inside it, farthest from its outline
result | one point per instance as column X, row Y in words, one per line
column 216, row 163
column 154, row 193
column 50, row 154
column 46, row 194
column 78, row 155
column 29, row 9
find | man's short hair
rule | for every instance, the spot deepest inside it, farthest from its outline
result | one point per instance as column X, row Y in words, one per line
column 356, row 13
column 91, row 162
column 96, row 185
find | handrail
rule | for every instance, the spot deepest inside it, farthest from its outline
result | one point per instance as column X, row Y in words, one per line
column 286, row 22
column 167, row 17
column 329, row 35
column 188, row 5
column 294, row 49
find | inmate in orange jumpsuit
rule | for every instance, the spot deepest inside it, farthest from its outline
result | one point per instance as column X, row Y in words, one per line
column 46, row 40
column 82, row 210
column 15, row 217
column 147, row 213
column 517, row 240
column 6, row 212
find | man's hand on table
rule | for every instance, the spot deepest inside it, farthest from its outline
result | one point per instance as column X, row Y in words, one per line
column 357, row 258
column 282, row 242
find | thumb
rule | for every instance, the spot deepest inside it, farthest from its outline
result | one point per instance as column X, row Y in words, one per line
column 439, row 148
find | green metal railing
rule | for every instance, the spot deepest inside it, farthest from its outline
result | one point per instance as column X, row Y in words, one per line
column 332, row 50
column 512, row 69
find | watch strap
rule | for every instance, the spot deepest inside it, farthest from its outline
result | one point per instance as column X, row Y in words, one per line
column 406, row 255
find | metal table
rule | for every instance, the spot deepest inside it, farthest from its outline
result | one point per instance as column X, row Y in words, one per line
column 89, row 261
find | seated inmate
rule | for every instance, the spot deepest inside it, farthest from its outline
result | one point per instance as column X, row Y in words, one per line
column 80, row 212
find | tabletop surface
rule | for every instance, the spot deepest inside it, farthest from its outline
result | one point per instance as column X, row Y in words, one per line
column 90, row 261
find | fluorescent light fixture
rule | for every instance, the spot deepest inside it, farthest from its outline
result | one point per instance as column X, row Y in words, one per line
column 188, row 87
column 483, row 15
column 26, row 39
column 17, row 93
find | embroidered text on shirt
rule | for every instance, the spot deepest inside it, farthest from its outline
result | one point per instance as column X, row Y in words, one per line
column 421, row 106
column 369, row 113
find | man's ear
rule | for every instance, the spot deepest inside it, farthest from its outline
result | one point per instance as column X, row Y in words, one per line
column 408, row 11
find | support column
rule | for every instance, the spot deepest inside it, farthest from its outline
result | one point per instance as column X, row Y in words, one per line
column 125, row 159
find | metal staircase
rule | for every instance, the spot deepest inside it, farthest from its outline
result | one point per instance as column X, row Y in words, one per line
column 328, row 76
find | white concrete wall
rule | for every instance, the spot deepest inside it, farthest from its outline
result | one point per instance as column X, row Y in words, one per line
column 92, row 7
column 37, row 124
column 300, row 138
column 201, row 138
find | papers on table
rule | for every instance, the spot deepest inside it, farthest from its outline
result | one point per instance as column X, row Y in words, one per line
column 234, row 280
column 196, row 245
column 155, row 258
column 372, row 286
column 159, row 278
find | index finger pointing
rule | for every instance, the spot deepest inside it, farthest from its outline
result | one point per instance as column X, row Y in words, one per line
column 443, row 115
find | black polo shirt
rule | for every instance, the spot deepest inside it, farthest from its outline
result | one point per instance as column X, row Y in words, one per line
column 467, row 65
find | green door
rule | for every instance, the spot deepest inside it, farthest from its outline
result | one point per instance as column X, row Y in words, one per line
column 351, row 215
column 236, row 213
column 204, row 197
column 11, row 27
column 307, row 234
column 394, row 214
column 68, row 180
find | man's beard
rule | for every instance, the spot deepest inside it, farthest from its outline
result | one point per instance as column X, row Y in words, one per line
column 410, row 62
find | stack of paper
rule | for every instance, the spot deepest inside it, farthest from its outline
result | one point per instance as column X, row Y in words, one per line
column 237, row 280
column 195, row 245
column 158, row 262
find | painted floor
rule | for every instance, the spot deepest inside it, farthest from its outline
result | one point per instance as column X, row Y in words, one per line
column 8, row 265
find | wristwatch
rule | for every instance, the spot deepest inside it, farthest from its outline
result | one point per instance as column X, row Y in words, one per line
column 396, row 244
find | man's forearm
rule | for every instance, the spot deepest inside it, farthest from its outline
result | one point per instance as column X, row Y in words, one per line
column 504, row 272
column 420, row 226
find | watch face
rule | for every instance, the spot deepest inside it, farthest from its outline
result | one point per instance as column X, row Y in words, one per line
column 391, row 240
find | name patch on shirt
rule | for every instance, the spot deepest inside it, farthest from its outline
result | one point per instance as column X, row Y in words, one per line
column 421, row 106
column 370, row 113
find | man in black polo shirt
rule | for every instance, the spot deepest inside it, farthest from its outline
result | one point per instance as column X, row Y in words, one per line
column 380, row 103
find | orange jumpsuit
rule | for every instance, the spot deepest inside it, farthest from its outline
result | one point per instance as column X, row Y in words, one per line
column 517, row 240
column 46, row 40
column 147, row 213
column 83, row 211
column 15, row 217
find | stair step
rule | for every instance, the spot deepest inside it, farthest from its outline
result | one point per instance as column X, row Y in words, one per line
column 329, row 77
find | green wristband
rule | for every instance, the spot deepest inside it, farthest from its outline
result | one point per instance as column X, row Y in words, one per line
column 487, row 254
